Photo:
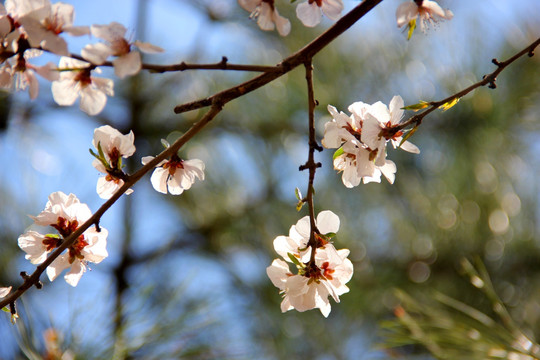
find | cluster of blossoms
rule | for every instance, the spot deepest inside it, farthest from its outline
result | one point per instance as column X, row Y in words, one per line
column 361, row 140
column 27, row 27
column 322, row 271
column 309, row 12
column 65, row 214
column 174, row 175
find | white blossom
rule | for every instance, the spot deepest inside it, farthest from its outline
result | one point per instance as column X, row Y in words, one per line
column 361, row 140
column 65, row 213
column 112, row 146
column 44, row 24
column 76, row 81
column 312, row 286
column 428, row 11
column 267, row 15
column 127, row 62
column 310, row 12
column 299, row 234
column 323, row 275
column 175, row 175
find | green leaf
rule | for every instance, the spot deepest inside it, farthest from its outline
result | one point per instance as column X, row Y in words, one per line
column 408, row 135
column 338, row 152
column 421, row 105
column 298, row 194
column 412, row 26
column 100, row 151
column 5, row 308
column 299, row 205
column 329, row 235
column 94, row 154
column 295, row 260
column 447, row 105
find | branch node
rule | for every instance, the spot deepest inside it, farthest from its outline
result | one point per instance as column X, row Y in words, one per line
column 531, row 53
column 24, row 275
column 12, row 308
column 316, row 102
column 96, row 224
column 38, row 285
column 224, row 61
column 318, row 165
column 303, row 167
column 496, row 62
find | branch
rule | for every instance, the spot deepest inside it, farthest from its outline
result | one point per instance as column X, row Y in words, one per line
column 33, row 279
column 311, row 164
column 222, row 65
column 216, row 102
column 296, row 59
column 489, row 80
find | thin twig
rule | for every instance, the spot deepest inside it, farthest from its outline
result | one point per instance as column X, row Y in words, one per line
column 487, row 80
column 183, row 66
column 311, row 165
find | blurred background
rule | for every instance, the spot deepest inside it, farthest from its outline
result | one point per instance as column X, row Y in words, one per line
column 185, row 276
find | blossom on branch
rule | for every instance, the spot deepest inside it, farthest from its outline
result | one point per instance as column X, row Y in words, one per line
column 429, row 12
column 65, row 213
column 361, row 140
column 112, row 146
column 175, row 175
column 76, row 80
column 297, row 242
column 320, row 276
column 310, row 12
column 22, row 75
column 267, row 15
column 127, row 62
column 46, row 21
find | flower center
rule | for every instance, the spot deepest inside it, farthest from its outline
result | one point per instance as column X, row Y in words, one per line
column 318, row 2
column 173, row 164
column 83, row 77
column 66, row 228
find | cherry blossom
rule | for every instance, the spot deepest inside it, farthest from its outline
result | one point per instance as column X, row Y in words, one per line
column 428, row 11
column 44, row 24
column 4, row 291
column 310, row 12
column 175, row 175
column 89, row 247
column 315, row 282
column 65, row 213
column 297, row 241
column 76, row 80
column 112, row 146
column 320, row 276
column 267, row 15
column 23, row 74
column 127, row 62
column 361, row 140
column 378, row 125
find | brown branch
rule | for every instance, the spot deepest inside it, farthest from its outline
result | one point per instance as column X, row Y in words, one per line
column 486, row 80
column 296, row 59
column 311, row 165
column 33, row 279
column 216, row 102
column 183, row 66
